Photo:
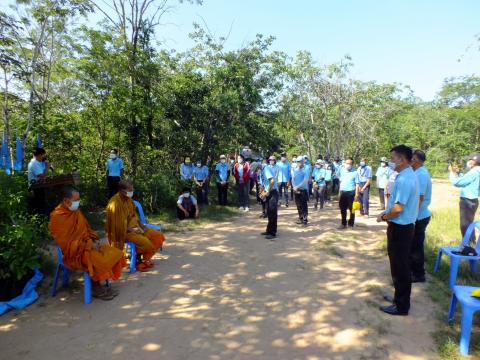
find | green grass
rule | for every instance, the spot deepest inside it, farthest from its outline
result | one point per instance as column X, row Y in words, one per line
column 444, row 230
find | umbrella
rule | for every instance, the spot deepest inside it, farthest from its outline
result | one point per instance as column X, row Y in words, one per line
column 18, row 155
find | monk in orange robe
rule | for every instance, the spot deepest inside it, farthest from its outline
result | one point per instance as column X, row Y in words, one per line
column 81, row 246
column 123, row 225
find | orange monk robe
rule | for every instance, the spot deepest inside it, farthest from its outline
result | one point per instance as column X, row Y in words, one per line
column 71, row 231
column 121, row 215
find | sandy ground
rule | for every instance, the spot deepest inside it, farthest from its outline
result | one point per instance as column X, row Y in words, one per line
column 224, row 292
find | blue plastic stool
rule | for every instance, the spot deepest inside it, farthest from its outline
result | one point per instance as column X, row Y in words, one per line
column 133, row 255
column 455, row 259
column 87, row 281
column 470, row 305
column 143, row 220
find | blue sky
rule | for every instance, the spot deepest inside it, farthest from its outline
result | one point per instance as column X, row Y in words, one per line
column 415, row 42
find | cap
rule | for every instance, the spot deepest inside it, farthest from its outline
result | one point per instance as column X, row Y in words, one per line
column 223, row 157
column 383, row 159
column 475, row 157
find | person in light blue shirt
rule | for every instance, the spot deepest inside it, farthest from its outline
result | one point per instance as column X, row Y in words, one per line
column 469, row 185
column 293, row 167
column 284, row 176
column 328, row 181
column 348, row 192
column 309, row 169
column 222, row 172
column 114, row 169
column 401, row 215
column 319, row 184
column 300, row 179
column 271, row 197
column 364, row 182
column 417, row 255
column 37, row 170
column 382, row 175
column 186, row 171
column 337, row 166
column 200, row 178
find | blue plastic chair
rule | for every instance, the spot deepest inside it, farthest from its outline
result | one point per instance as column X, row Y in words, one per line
column 455, row 259
column 129, row 246
column 143, row 220
column 470, row 305
column 87, row 281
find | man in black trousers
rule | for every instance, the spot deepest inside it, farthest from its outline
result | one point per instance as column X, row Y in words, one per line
column 401, row 215
column 271, row 197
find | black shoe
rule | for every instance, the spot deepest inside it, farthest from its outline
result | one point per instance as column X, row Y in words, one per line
column 270, row 237
column 299, row 222
column 388, row 298
column 342, row 227
column 351, row 225
column 392, row 310
column 418, row 279
column 286, row 205
column 265, row 233
column 305, row 222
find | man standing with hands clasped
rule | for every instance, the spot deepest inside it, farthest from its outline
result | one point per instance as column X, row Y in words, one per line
column 270, row 195
column 401, row 215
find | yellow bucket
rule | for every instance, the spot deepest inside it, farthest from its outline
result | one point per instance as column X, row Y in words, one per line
column 356, row 206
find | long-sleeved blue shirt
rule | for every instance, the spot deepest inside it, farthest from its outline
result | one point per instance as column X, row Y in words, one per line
column 468, row 183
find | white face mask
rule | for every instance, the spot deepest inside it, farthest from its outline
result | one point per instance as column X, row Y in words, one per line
column 75, row 205
column 223, row 161
column 186, row 195
column 240, row 161
column 283, row 159
column 199, row 165
column 383, row 164
column 391, row 165
column 129, row 194
column 113, row 156
column 272, row 163
column 317, row 166
column 348, row 166
column 469, row 164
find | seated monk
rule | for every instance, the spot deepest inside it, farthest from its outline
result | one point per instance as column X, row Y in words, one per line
column 81, row 246
column 123, row 225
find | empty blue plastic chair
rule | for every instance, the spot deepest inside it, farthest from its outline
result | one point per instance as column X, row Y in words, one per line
column 87, row 281
column 470, row 305
column 455, row 259
column 131, row 247
column 143, row 220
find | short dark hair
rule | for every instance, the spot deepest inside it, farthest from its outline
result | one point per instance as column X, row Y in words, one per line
column 185, row 189
column 39, row 151
column 243, row 157
column 420, row 155
column 114, row 151
column 403, row 150
column 349, row 158
column 124, row 184
column 284, row 154
column 68, row 191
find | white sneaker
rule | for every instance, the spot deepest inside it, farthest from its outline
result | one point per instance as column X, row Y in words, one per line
column 247, row 209
column 241, row 208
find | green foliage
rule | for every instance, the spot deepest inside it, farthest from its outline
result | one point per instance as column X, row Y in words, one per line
column 20, row 235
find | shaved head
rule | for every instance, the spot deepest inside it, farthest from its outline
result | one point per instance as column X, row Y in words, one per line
column 125, row 185
column 69, row 193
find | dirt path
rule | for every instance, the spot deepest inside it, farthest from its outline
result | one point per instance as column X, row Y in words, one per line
column 224, row 292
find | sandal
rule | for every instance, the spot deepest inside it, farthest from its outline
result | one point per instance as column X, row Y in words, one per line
column 105, row 295
column 143, row 267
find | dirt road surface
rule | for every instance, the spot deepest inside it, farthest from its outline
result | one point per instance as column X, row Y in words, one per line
column 224, row 292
